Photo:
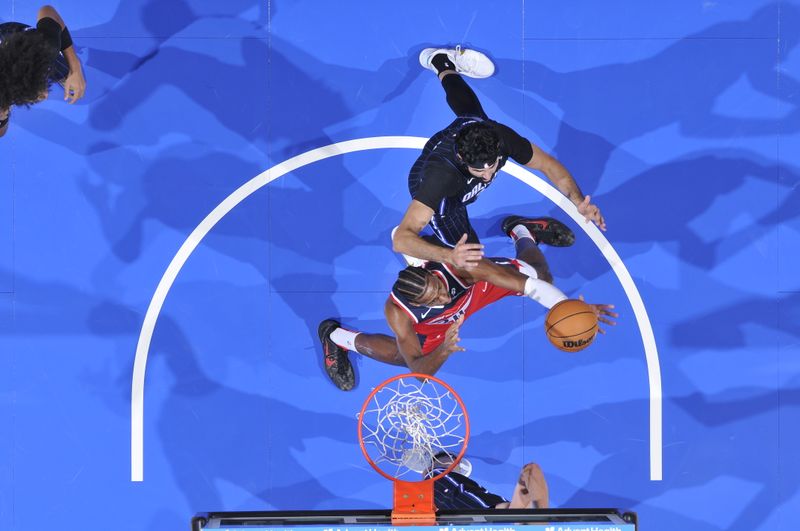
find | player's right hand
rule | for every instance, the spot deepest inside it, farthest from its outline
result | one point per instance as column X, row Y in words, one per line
column 604, row 314
column 451, row 338
column 466, row 255
column 74, row 86
column 591, row 212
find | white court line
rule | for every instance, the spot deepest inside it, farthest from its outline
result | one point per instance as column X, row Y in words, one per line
column 364, row 144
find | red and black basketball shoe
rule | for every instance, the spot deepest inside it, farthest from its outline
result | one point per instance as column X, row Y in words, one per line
column 548, row 231
column 337, row 363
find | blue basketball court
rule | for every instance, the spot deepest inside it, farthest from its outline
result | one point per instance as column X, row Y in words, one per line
column 170, row 243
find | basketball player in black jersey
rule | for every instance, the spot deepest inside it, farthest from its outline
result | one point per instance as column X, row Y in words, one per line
column 461, row 161
column 33, row 58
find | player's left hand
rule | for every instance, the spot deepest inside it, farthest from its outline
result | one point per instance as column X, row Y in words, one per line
column 74, row 86
column 604, row 314
column 591, row 213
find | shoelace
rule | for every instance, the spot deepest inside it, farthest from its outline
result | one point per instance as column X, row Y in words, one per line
column 463, row 62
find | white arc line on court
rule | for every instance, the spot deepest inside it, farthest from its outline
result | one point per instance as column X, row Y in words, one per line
column 364, row 144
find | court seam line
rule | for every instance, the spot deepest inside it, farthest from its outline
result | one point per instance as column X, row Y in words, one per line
column 363, row 144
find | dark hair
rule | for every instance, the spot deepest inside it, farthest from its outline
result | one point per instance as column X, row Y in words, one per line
column 411, row 282
column 26, row 60
column 478, row 144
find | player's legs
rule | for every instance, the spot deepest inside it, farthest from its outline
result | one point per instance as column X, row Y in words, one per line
column 444, row 61
column 527, row 233
column 461, row 98
column 337, row 363
column 449, row 64
column 528, row 251
column 379, row 347
column 342, row 340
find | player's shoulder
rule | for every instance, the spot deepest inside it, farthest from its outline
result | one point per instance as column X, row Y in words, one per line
column 501, row 128
column 397, row 309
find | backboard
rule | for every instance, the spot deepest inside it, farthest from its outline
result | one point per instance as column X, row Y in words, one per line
column 446, row 520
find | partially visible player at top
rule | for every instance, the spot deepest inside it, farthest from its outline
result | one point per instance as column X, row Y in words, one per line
column 461, row 161
column 428, row 304
column 31, row 58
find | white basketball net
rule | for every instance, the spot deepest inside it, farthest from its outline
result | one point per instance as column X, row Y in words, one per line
column 407, row 422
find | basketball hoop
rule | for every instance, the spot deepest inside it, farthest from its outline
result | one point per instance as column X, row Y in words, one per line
column 404, row 422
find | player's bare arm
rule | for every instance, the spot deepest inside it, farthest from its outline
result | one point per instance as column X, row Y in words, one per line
column 408, row 343
column 407, row 240
column 75, row 83
column 500, row 275
column 563, row 180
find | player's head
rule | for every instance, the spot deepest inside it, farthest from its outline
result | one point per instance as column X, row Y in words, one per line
column 478, row 146
column 421, row 287
column 26, row 60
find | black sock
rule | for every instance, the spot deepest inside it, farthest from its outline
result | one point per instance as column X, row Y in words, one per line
column 441, row 62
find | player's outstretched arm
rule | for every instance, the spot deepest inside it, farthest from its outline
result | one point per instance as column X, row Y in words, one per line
column 75, row 83
column 406, row 240
column 508, row 277
column 563, row 180
column 493, row 273
column 408, row 342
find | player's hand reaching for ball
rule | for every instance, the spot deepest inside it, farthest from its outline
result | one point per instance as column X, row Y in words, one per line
column 466, row 255
column 604, row 314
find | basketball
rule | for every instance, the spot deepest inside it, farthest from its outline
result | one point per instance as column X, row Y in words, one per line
column 571, row 325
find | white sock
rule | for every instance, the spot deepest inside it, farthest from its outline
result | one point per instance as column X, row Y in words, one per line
column 521, row 231
column 345, row 338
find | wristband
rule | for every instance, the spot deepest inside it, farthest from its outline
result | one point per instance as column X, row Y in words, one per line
column 543, row 292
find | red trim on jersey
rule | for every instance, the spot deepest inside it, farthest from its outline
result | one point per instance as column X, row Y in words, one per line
column 402, row 306
column 441, row 275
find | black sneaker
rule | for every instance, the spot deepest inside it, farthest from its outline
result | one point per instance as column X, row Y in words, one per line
column 337, row 363
column 545, row 230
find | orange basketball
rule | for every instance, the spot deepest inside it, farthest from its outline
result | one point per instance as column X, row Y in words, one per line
column 571, row 325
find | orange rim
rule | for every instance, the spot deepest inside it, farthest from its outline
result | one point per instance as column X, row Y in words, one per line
column 384, row 384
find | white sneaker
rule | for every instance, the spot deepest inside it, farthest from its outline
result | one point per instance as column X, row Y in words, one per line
column 410, row 260
column 470, row 63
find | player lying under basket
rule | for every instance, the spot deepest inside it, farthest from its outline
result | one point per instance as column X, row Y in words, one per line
column 456, row 490
column 428, row 304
